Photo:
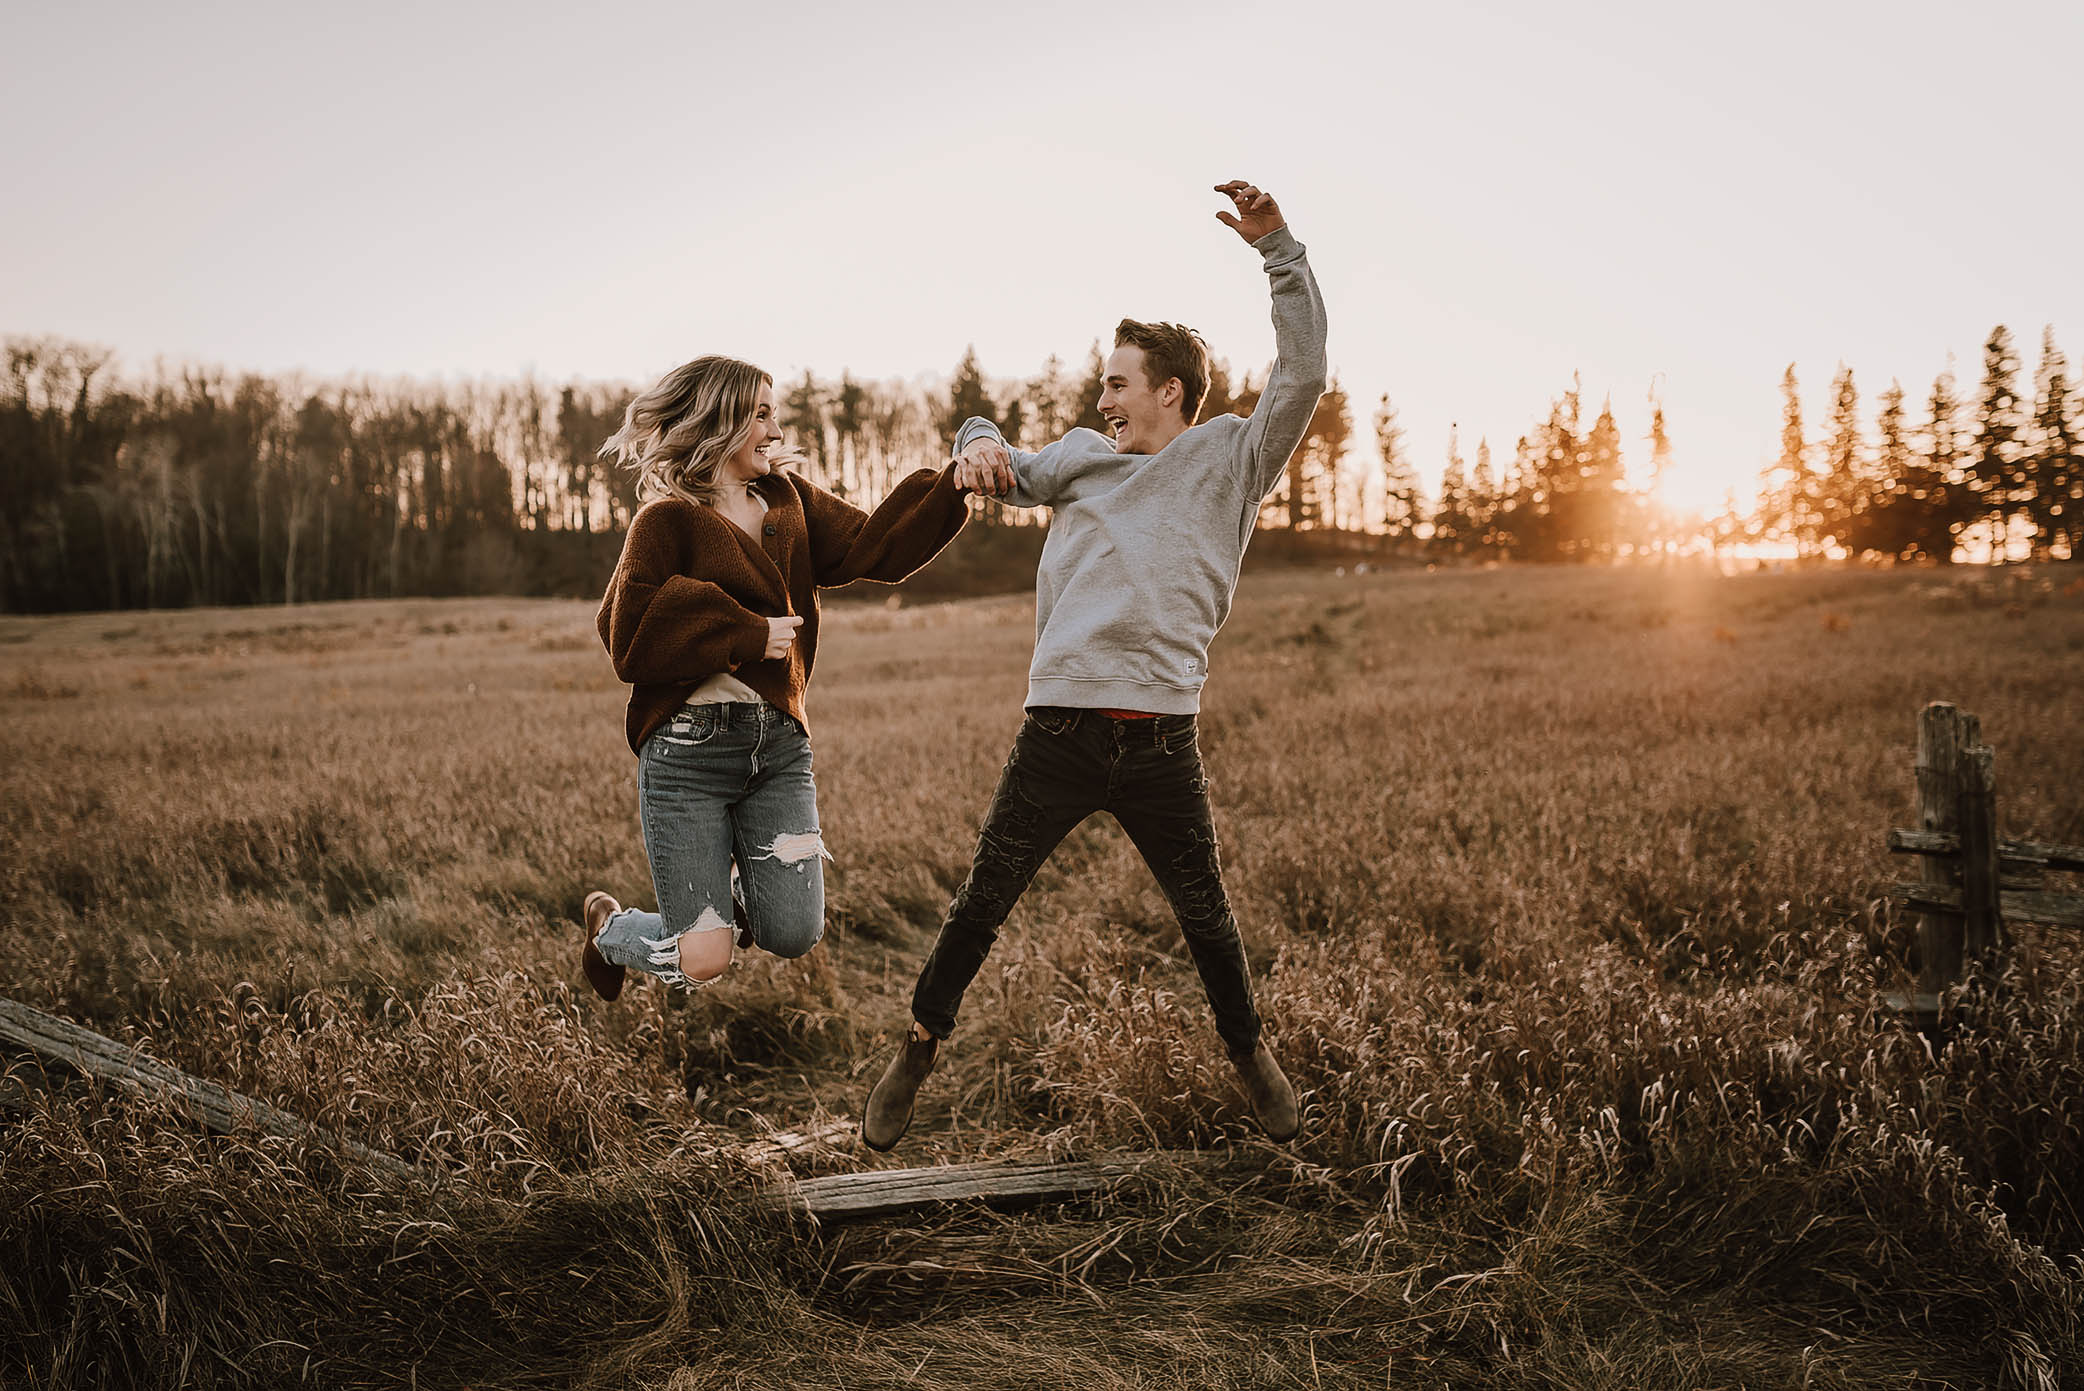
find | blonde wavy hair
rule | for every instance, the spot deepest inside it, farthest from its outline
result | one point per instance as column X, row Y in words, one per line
column 676, row 436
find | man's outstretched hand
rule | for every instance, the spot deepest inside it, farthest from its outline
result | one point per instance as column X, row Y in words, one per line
column 1257, row 213
column 985, row 467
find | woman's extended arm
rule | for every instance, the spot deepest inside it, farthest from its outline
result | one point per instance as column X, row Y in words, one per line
column 921, row 515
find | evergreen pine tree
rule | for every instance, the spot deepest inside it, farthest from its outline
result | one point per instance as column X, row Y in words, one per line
column 1402, row 505
column 1600, row 475
column 1549, row 526
column 1086, row 401
column 1659, row 527
column 1884, row 520
column 803, row 413
column 1047, row 401
column 1451, row 528
column 1513, row 521
column 1843, row 482
column 1788, row 504
column 2055, row 500
column 1995, row 470
column 1951, row 502
column 1660, row 448
column 1316, row 468
column 849, row 403
column 1483, row 497
column 967, row 396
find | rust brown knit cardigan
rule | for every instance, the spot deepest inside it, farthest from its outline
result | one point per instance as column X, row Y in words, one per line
column 692, row 593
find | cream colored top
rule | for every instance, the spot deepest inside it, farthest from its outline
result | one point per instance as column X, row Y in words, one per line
column 724, row 689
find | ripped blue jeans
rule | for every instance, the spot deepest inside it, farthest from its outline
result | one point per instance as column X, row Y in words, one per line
column 720, row 785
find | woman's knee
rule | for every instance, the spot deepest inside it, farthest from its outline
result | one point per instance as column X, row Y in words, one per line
column 705, row 948
column 785, row 904
column 791, row 938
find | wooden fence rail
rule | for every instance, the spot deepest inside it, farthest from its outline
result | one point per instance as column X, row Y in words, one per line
column 1971, row 882
column 887, row 1192
column 50, row 1040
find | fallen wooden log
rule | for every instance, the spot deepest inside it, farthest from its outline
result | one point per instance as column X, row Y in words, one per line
column 882, row 1192
column 221, row 1111
column 776, row 1146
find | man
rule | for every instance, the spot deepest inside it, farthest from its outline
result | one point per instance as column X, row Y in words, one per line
column 1135, row 579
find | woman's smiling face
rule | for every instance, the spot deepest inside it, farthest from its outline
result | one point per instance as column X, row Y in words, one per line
column 749, row 460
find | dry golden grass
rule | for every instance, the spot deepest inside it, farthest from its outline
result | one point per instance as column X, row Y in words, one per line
column 1564, row 885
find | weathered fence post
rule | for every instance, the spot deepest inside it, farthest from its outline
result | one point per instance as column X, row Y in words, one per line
column 1945, row 734
column 1982, row 910
column 1971, row 881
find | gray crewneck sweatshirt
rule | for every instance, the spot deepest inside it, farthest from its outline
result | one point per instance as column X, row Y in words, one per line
column 1143, row 549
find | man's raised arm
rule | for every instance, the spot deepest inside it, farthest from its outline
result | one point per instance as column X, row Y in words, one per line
column 1285, row 407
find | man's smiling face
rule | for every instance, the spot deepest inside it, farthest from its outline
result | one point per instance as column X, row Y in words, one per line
column 1144, row 418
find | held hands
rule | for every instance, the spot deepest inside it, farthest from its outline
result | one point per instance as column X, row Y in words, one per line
column 781, row 635
column 985, row 468
column 1257, row 213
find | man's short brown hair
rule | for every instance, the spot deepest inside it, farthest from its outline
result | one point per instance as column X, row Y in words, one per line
column 1170, row 350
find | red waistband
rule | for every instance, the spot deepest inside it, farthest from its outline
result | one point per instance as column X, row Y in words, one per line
column 1128, row 714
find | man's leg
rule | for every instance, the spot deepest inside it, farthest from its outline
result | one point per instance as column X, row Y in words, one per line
column 1053, row 780
column 1163, row 805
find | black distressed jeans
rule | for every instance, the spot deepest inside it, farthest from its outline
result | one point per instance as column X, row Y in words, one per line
column 1065, row 765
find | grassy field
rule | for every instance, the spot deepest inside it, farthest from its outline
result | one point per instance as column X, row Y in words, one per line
column 1563, row 888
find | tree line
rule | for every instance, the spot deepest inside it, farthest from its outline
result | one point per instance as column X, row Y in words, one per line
column 197, row 486
column 1563, row 495
column 1998, row 476
column 2006, row 479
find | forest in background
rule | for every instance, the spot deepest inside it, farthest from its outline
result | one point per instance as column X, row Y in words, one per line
column 195, row 485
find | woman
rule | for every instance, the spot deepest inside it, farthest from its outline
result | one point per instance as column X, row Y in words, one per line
column 712, row 618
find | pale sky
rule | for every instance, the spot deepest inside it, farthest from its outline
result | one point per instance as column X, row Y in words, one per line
column 1494, row 195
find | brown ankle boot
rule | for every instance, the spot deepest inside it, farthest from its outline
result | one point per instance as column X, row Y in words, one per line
column 1266, row 1087
column 605, row 979
column 889, row 1111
